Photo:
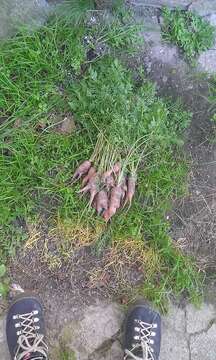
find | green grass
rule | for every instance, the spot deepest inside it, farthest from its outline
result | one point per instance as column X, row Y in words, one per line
column 34, row 67
column 190, row 32
column 48, row 72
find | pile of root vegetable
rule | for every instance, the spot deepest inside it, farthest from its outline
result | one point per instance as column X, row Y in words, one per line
column 108, row 183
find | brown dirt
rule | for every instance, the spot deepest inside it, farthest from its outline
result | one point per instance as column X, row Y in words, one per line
column 193, row 220
column 71, row 282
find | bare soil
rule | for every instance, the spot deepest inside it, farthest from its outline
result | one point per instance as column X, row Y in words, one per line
column 193, row 217
column 83, row 279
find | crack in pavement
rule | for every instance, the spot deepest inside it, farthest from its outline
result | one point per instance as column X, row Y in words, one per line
column 205, row 330
column 187, row 335
column 190, row 336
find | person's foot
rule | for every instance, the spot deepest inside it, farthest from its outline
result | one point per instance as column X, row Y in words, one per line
column 25, row 330
column 142, row 334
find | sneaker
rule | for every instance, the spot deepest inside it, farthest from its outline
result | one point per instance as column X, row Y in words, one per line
column 25, row 330
column 142, row 334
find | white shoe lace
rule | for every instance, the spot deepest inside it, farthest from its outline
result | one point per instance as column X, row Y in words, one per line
column 143, row 342
column 29, row 341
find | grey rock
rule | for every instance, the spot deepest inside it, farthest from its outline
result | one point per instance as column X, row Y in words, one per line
column 164, row 53
column 174, row 340
column 160, row 3
column 115, row 352
column 152, row 38
column 203, row 345
column 16, row 13
column 211, row 19
column 98, row 325
column 3, row 344
column 174, row 346
column 203, row 7
column 206, row 61
column 199, row 319
column 175, row 319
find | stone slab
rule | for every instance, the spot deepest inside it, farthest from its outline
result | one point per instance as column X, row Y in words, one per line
column 199, row 319
column 203, row 345
column 201, row 7
column 174, row 340
column 16, row 13
column 99, row 324
column 204, row 7
column 115, row 352
column 160, row 3
column 3, row 344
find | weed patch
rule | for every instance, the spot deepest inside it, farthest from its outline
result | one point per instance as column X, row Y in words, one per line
column 4, row 281
column 48, row 72
column 190, row 32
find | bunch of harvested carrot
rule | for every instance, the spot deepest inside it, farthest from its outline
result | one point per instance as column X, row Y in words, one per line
column 109, row 189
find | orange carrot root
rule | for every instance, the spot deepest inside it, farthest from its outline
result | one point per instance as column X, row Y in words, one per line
column 107, row 215
column 131, row 187
column 91, row 187
column 81, row 170
column 115, row 199
column 91, row 184
column 93, row 193
column 115, row 203
column 86, row 179
column 101, row 202
column 124, row 188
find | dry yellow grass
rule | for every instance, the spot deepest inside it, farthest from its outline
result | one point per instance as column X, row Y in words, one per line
column 34, row 234
column 72, row 236
column 66, row 237
column 125, row 254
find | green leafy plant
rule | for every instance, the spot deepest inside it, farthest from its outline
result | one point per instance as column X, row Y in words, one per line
column 4, row 281
column 190, row 32
column 36, row 66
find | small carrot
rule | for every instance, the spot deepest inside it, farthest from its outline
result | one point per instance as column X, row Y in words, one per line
column 91, row 187
column 108, row 214
column 115, row 202
column 115, row 198
column 101, row 202
column 81, row 170
column 86, row 179
column 93, row 193
column 131, row 186
column 124, row 187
